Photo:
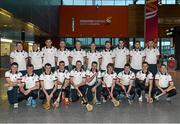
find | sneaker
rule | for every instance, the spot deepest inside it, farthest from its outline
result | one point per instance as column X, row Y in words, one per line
column 33, row 103
column 156, row 98
column 120, row 97
column 104, row 100
column 15, row 105
column 140, row 98
column 98, row 103
column 28, row 103
column 168, row 99
column 130, row 101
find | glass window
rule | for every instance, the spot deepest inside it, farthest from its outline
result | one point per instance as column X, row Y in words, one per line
column 120, row 2
column 69, row 41
column 68, row 2
column 170, row 1
column 79, row 2
column 98, row 2
column 97, row 41
column 140, row 2
column 130, row 43
column 89, row 2
column 85, row 41
column 115, row 41
column 127, row 2
column 108, row 2
column 103, row 40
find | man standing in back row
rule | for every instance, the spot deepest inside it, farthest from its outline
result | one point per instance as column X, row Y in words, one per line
column 121, row 54
column 152, row 56
column 20, row 56
column 49, row 54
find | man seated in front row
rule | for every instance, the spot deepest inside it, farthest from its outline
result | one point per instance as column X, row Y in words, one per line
column 93, row 77
column 13, row 80
column 48, row 83
column 126, row 82
column 29, row 87
column 62, row 76
column 144, row 82
column 164, row 82
column 108, row 81
column 77, row 81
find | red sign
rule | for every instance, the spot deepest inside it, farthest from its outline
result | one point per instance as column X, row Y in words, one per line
column 93, row 21
column 151, row 20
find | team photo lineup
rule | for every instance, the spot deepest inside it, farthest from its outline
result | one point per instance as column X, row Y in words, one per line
column 60, row 76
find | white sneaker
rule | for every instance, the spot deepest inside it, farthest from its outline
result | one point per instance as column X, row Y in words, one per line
column 15, row 105
column 104, row 100
column 168, row 99
column 140, row 98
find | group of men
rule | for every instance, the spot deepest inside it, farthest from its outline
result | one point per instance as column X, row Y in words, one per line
column 46, row 73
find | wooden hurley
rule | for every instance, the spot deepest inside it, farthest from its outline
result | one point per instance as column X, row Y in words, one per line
column 113, row 100
column 89, row 107
column 56, row 103
column 167, row 90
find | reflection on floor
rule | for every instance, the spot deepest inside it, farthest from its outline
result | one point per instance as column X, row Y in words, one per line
column 161, row 111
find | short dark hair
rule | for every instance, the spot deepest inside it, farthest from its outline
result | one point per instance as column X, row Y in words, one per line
column 48, row 38
column 162, row 65
column 127, row 65
column 94, row 62
column 36, row 43
column 47, row 64
column 110, row 65
column 78, row 61
column 29, row 65
column 14, row 63
column 77, row 41
column 137, row 41
column 61, row 62
column 61, row 40
column 107, row 42
column 93, row 42
column 145, row 63
column 18, row 43
column 121, row 40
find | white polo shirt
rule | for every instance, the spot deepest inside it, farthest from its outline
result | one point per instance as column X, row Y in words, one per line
column 49, row 55
column 77, row 76
column 151, row 55
column 93, row 56
column 126, row 78
column 108, row 78
column 30, row 80
column 164, row 80
column 48, row 80
column 143, row 76
column 61, row 76
column 20, row 58
column 94, row 80
column 137, row 58
column 120, row 57
column 77, row 55
column 13, row 77
column 107, row 57
column 63, row 56
column 36, row 59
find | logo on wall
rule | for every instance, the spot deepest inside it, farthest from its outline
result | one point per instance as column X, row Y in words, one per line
column 107, row 20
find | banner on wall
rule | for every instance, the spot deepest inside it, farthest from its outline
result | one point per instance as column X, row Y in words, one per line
column 93, row 21
column 151, row 20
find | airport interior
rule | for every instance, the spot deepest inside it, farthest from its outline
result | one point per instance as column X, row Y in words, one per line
column 92, row 21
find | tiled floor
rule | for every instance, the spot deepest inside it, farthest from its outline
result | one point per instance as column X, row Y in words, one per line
column 161, row 111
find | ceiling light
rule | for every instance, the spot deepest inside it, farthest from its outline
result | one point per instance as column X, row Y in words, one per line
column 6, row 40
